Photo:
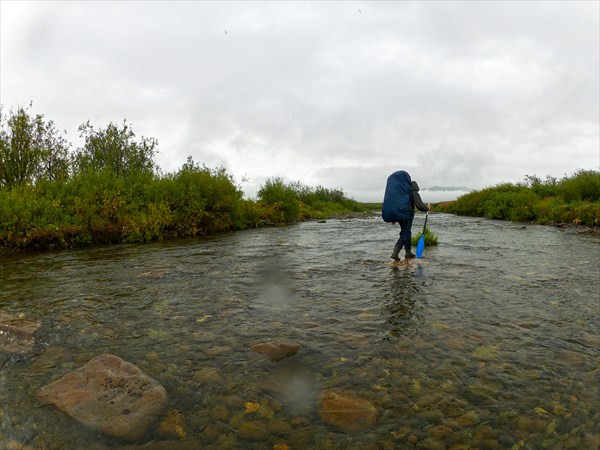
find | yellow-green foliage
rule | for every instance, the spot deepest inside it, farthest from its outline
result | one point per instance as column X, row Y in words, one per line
column 574, row 199
column 287, row 203
column 430, row 238
column 98, row 208
column 110, row 191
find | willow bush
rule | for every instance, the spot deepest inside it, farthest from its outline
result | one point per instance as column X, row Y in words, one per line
column 574, row 200
column 280, row 200
column 110, row 190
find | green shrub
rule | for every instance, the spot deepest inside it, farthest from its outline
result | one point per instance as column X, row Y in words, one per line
column 114, row 149
column 201, row 200
column 110, row 190
column 469, row 204
column 574, row 199
column 430, row 238
column 510, row 205
column 542, row 189
column 31, row 149
column 584, row 185
column 280, row 201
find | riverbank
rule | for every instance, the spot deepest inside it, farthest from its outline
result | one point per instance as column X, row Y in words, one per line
column 572, row 201
column 99, row 209
column 595, row 229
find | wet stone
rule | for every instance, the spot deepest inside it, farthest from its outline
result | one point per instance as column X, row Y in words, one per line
column 433, row 416
column 467, row 419
column 507, row 441
column 49, row 359
column 110, row 395
column 276, row 351
column 206, row 375
column 17, row 333
column 346, row 412
column 220, row 413
column 440, row 431
column 278, row 426
column 253, row 430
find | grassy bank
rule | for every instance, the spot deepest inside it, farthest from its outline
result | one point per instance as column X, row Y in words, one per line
column 110, row 190
column 573, row 200
column 98, row 208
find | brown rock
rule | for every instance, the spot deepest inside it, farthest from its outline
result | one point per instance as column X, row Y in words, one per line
column 278, row 426
column 220, row 413
column 253, row 430
column 276, row 351
column 16, row 333
column 206, row 375
column 109, row 395
column 346, row 412
column 440, row 431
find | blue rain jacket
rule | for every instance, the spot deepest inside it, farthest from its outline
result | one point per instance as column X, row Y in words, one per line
column 397, row 200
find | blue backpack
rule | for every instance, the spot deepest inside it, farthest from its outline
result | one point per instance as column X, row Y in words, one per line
column 397, row 205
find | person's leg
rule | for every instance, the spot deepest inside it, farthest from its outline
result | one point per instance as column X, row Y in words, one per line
column 398, row 246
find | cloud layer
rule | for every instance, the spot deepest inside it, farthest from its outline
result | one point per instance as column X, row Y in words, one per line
column 333, row 93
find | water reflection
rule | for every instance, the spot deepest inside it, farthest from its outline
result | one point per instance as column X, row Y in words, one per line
column 399, row 302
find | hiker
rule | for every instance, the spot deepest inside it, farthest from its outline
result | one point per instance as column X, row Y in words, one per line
column 401, row 197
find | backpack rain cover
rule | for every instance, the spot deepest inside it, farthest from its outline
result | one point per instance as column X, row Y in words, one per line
column 397, row 205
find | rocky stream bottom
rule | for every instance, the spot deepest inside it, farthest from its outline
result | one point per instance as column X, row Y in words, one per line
column 306, row 337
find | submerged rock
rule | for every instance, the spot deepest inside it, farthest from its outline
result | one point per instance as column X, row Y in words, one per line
column 50, row 358
column 253, row 430
column 276, row 351
column 207, row 375
column 347, row 412
column 110, row 395
column 17, row 333
column 173, row 426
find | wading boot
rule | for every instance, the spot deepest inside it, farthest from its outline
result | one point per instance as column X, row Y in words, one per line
column 395, row 254
column 409, row 254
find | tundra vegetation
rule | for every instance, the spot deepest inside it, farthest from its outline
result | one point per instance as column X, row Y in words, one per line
column 574, row 199
column 111, row 190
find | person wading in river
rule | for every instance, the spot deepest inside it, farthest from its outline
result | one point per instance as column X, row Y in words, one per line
column 399, row 201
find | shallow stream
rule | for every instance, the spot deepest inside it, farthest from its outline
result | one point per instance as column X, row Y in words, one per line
column 492, row 340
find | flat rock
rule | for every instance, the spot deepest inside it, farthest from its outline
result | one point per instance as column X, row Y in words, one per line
column 346, row 412
column 17, row 333
column 276, row 351
column 110, row 395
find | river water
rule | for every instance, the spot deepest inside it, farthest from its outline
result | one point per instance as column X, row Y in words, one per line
column 492, row 340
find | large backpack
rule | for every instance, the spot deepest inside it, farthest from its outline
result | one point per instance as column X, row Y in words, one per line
column 397, row 205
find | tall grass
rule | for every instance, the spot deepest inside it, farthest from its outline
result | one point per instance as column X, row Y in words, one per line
column 573, row 200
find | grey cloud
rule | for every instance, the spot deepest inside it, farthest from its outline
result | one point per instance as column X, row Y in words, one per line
column 455, row 92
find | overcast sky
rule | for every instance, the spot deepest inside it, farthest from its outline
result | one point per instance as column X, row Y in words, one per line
column 338, row 94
